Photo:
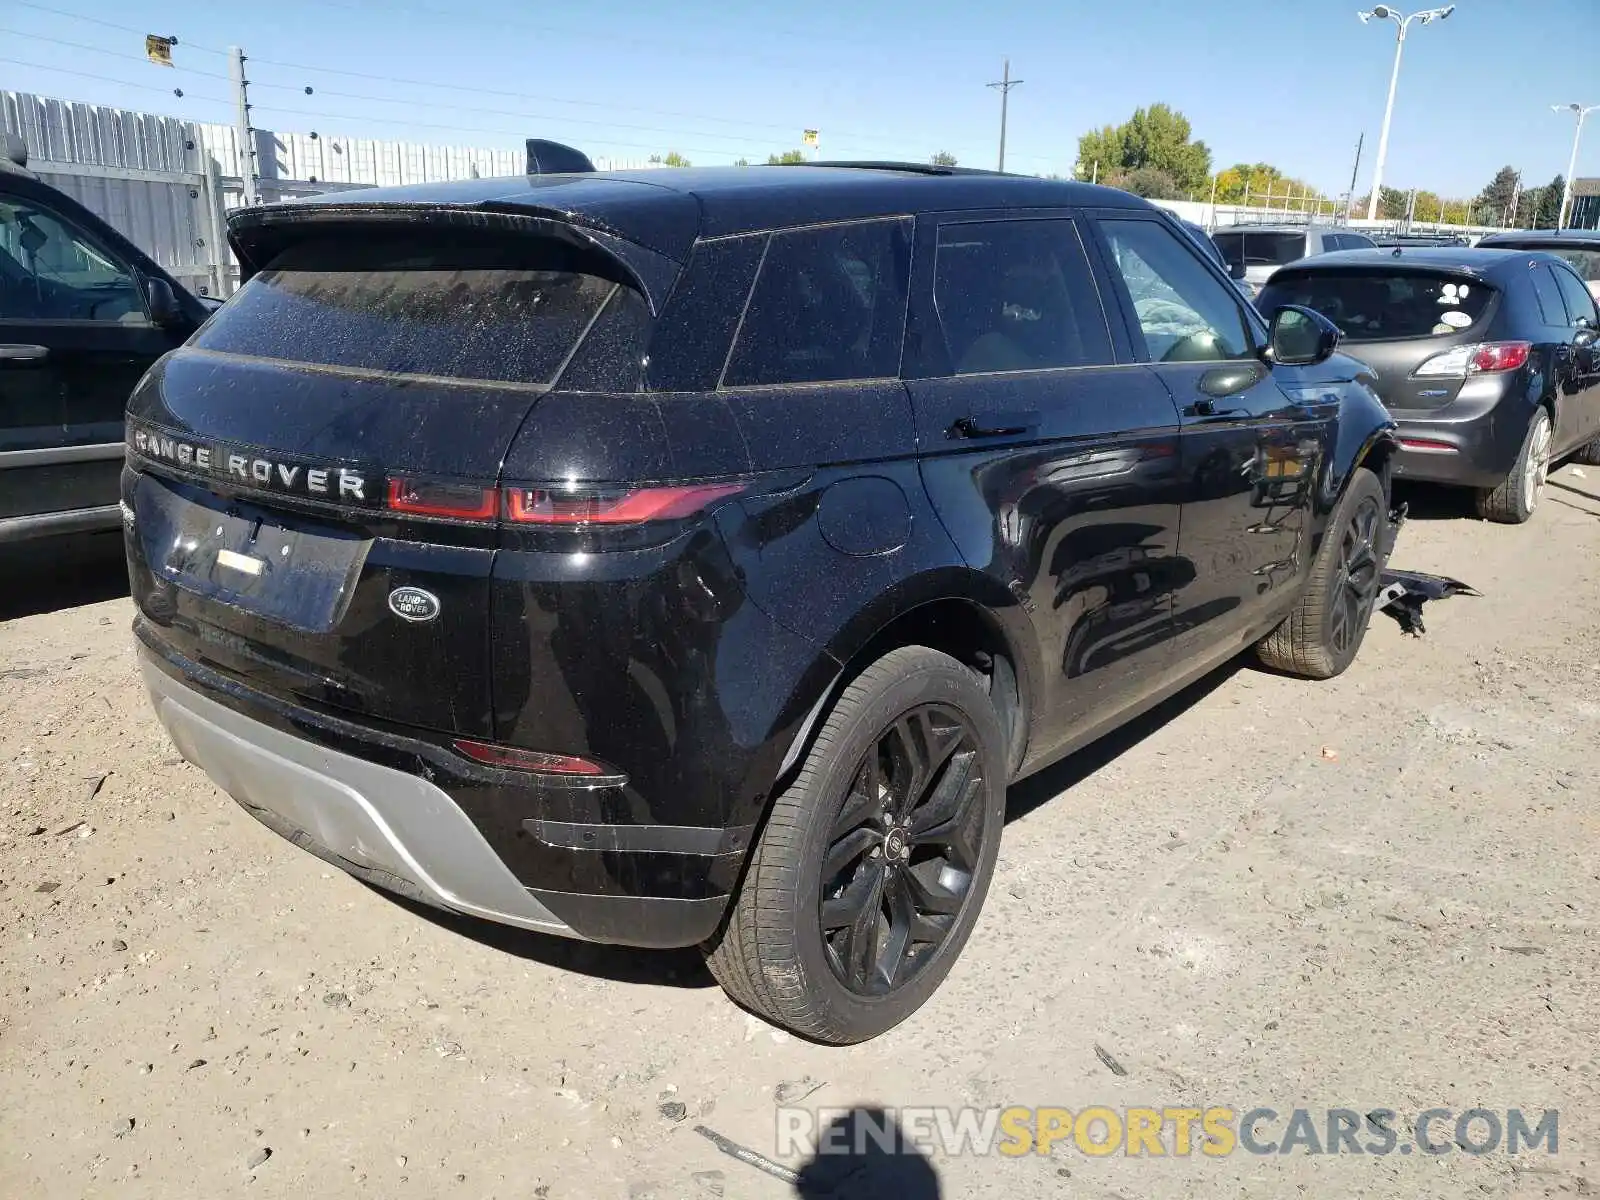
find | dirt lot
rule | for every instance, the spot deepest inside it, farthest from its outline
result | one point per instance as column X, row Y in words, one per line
column 1380, row 892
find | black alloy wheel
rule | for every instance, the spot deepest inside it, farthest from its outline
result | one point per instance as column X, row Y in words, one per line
column 1358, row 572
column 903, row 850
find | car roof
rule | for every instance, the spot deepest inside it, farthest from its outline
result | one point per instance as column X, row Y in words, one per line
column 1534, row 238
column 1454, row 260
column 1291, row 228
column 732, row 200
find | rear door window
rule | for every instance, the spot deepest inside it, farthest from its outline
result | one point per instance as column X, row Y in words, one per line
column 1580, row 304
column 1251, row 248
column 1380, row 305
column 499, row 313
column 1017, row 296
column 1551, row 309
column 829, row 304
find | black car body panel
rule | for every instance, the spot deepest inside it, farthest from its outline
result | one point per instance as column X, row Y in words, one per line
column 1466, row 428
column 1092, row 530
column 76, row 334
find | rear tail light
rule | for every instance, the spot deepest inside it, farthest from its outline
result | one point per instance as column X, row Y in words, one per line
column 609, row 506
column 1500, row 356
column 1479, row 359
column 513, row 759
column 558, row 505
column 465, row 502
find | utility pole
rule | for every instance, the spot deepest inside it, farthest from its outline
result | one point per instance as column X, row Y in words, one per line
column 1005, row 85
column 1355, row 170
column 246, row 135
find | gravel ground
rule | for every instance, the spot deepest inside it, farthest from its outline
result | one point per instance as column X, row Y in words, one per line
column 1379, row 892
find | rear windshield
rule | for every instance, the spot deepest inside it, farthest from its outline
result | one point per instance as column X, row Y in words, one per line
column 1260, row 249
column 463, row 313
column 1374, row 306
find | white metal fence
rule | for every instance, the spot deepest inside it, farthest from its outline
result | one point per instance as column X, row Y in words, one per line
column 167, row 184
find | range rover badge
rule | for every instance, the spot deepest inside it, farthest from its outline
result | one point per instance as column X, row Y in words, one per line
column 413, row 604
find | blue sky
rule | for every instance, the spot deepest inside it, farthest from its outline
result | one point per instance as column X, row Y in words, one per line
column 1290, row 82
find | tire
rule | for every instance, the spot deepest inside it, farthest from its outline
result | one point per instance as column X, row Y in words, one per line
column 1589, row 453
column 1321, row 637
column 1513, row 501
column 773, row 955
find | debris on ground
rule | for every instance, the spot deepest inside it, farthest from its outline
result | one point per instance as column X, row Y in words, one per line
column 747, row 1156
column 1112, row 1064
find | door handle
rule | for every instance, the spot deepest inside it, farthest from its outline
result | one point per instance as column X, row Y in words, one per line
column 23, row 355
column 1201, row 408
column 993, row 425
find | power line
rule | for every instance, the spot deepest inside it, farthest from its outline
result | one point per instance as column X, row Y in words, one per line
column 39, row 37
column 61, row 12
column 860, row 136
column 145, row 87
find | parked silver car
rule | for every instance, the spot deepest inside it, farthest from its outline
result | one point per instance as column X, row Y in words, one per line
column 1262, row 249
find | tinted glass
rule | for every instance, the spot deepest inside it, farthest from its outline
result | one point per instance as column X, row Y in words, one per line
column 1260, row 249
column 1356, row 241
column 1017, row 296
column 690, row 343
column 1551, row 310
column 51, row 271
column 829, row 304
column 1185, row 313
column 441, row 311
column 1579, row 302
column 1384, row 305
column 1585, row 260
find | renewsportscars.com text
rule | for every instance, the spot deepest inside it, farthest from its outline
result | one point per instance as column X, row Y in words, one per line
column 1214, row 1132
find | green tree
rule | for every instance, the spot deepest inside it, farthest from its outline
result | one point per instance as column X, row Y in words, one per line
column 1494, row 202
column 741, row 162
column 674, row 159
column 1161, row 137
column 1150, row 182
column 1548, row 213
column 788, row 158
column 1100, row 152
column 943, row 159
column 1392, row 203
column 1158, row 137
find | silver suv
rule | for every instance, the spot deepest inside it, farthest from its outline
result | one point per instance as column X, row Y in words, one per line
column 1262, row 249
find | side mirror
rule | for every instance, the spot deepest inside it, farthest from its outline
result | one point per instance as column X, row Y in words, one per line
column 163, row 304
column 1584, row 338
column 1302, row 337
column 1236, row 270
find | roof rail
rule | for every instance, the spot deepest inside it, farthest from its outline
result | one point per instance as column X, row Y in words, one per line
column 914, row 168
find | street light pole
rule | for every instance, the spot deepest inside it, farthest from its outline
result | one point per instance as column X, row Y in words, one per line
column 1384, row 13
column 1572, row 163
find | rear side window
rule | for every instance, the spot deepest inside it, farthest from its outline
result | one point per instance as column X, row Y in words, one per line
column 1551, row 310
column 1580, row 304
column 1356, row 241
column 1251, row 248
column 1373, row 306
column 495, row 313
column 829, row 304
column 1017, row 296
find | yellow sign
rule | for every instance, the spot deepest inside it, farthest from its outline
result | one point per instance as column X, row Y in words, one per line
column 159, row 49
column 809, row 137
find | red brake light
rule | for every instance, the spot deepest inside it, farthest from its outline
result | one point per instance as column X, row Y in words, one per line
column 610, row 506
column 512, row 758
column 467, row 502
column 1499, row 356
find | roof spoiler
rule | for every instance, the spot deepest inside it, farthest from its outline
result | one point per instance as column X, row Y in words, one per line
column 552, row 158
column 16, row 150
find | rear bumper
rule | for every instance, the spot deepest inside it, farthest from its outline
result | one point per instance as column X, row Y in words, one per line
column 1474, row 451
column 402, row 831
column 56, row 524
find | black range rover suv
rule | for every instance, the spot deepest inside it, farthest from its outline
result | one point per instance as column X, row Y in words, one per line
column 693, row 557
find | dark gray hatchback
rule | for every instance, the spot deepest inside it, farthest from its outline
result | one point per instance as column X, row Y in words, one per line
column 1486, row 359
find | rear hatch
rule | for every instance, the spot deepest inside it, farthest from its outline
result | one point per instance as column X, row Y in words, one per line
column 1414, row 327
column 1260, row 251
column 313, row 478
